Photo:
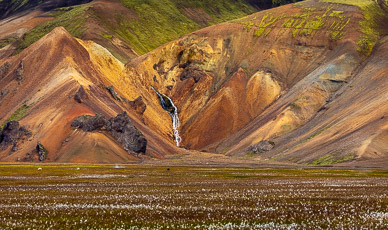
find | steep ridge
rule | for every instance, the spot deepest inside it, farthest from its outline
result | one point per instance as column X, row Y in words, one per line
column 47, row 90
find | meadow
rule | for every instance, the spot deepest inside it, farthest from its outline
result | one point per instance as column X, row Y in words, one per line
column 155, row 197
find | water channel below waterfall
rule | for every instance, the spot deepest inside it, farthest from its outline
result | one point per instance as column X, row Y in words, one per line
column 169, row 106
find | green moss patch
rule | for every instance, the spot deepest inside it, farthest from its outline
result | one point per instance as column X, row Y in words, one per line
column 369, row 26
column 308, row 23
column 334, row 158
column 17, row 115
column 71, row 18
column 6, row 41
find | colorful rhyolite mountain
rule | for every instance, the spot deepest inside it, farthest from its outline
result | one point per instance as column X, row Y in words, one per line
column 302, row 83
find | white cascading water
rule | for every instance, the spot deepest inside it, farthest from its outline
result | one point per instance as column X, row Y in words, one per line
column 174, row 116
column 175, row 124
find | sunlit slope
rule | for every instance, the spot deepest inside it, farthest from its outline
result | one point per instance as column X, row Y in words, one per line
column 267, row 77
column 47, row 91
column 296, row 77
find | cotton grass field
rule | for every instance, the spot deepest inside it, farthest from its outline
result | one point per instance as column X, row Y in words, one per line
column 146, row 197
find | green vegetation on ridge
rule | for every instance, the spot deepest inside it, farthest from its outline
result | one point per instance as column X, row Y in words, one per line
column 17, row 115
column 157, row 21
column 151, row 24
column 161, row 21
column 308, row 23
column 369, row 26
column 71, row 18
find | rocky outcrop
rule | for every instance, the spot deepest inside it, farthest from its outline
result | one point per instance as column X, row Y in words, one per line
column 19, row 72
column 122, row 129
column 81, row 95
column 113, row 93
column 119, row 127
column 138, row 105
column 192, row 71
column 89, row 123
column 262, row 146
column 11, row 134
column 4, row 69
column 3, row 93
column 42, row 151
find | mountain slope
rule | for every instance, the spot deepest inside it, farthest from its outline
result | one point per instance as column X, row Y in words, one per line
column 296, row 77
column 48, row 92
column 269, row 77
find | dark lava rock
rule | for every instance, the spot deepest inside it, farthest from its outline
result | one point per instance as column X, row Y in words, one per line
column 4, row 69
column 112, row 92
column 4, row 92
column 42, row 151
column 262, row 146
column 14, row 147
column 138, row 105
column 192, row 71
column 81, row 95
column 19, row 72
column 119, row 127
column 11, row 134
column 122, row 129
column 155, row 80
column 89, row 123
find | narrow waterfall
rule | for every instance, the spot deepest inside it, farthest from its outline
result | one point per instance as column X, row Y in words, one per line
column 169, row 106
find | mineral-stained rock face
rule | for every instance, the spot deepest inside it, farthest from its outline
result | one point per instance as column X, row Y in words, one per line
column 119, row 127
column 11, row 134
column 192, row 71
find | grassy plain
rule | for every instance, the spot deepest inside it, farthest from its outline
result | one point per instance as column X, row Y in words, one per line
column 143, row 197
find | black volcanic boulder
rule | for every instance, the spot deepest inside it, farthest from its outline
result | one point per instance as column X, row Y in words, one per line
column 89, row 123
column 4, row 69
column 19, row 72
column 138, row 105
column 122, row 129
column 81, row 95
column 11, row 134
column 119, row 127
column 262, row 146
column 113, row 93
column 42, row 151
